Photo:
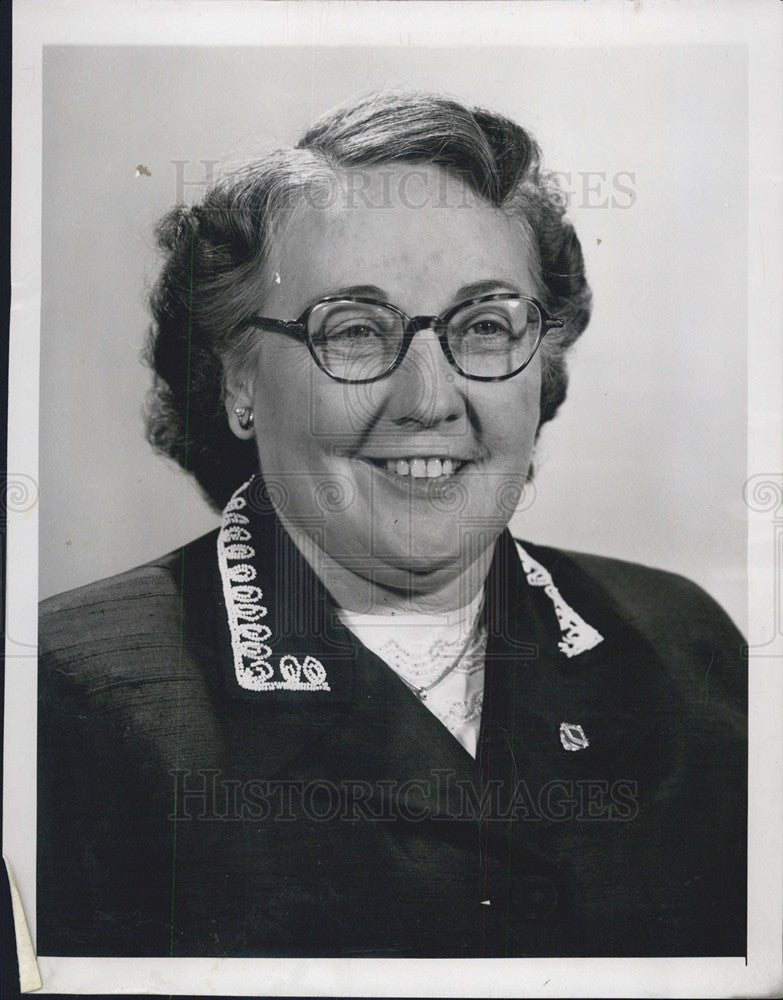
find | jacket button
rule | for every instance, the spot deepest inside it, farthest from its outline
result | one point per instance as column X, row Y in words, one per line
column 534, row 897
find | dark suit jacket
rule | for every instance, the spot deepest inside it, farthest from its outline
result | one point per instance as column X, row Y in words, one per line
column 181, row 814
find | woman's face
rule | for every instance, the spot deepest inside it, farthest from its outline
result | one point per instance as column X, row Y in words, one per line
column 419, row 239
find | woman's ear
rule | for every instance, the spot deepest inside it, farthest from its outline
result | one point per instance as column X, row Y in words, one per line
column 239, row 408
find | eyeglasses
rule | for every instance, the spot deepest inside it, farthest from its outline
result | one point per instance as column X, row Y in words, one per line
column 359, row 340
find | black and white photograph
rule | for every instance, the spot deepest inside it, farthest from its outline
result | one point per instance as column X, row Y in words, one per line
column 395, row 409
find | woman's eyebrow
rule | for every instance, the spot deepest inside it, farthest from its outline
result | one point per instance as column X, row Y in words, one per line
column 476, row 288
column 370, row 291
column 469, row 291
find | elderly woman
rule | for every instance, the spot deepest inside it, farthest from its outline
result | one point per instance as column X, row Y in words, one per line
column 360, row 718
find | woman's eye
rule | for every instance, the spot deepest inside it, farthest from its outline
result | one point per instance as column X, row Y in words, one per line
column 488, row 328
column 347, row 330
column 352, row 331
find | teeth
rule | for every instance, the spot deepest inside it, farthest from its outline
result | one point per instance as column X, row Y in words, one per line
column 422, row 468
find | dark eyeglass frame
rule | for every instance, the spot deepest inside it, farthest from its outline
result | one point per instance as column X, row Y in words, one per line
column 412, row 324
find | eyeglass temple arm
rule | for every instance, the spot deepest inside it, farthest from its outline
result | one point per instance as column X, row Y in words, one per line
column 292, row 327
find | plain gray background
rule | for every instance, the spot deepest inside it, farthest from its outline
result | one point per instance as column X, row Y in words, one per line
column 647, row 458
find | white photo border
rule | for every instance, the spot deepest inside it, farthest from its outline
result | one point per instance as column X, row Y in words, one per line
column 756, row 24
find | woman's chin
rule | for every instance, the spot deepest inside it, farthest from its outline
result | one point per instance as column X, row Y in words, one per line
column 420, row 573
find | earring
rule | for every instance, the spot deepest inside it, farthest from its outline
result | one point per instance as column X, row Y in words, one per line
column 244, row 417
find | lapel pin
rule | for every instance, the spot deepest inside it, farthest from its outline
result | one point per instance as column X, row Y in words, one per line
column 573, row 737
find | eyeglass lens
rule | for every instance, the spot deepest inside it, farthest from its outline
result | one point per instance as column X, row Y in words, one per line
column 357, row 340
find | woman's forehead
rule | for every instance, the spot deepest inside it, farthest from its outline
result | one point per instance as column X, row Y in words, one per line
column 401, row 228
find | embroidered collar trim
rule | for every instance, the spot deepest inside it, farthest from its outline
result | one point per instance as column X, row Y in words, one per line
column 578, row 636
column 254, row 661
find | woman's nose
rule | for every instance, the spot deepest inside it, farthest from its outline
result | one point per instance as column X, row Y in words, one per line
column 424, row 389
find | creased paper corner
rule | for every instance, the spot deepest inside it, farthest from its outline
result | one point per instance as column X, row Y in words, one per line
column 29, row 976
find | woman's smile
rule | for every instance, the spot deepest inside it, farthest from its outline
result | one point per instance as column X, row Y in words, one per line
column 420, row 476
column 439, row 467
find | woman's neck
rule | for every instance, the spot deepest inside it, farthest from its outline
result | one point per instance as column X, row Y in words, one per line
column 394, row 591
